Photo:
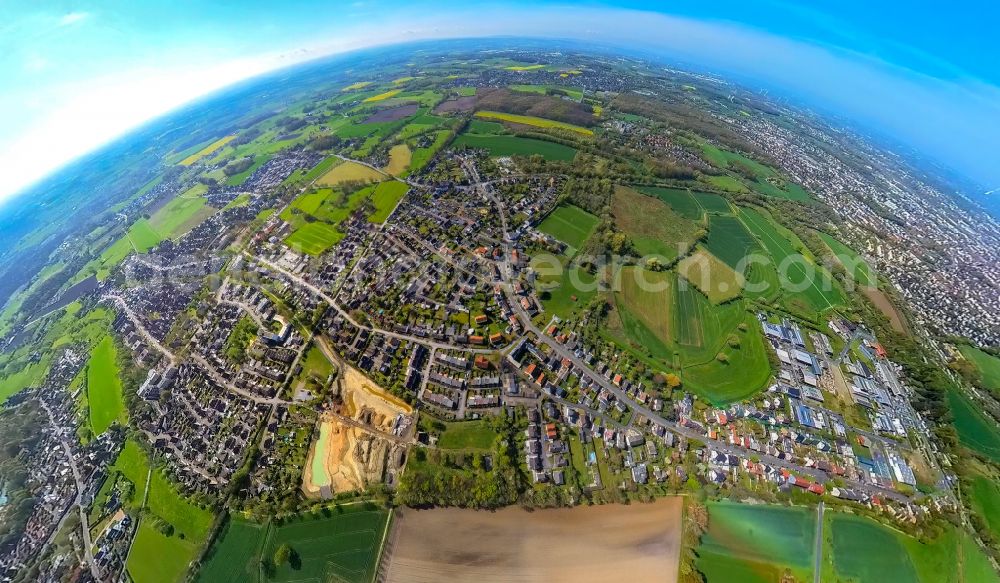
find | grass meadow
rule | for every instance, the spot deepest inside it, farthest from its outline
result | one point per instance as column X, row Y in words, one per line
column 334, row 544
column 104, row 387
column 570, row 224
column 757, row 543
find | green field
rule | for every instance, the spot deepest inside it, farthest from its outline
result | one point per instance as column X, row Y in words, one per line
column 725, row 182
column 975, row 430
column 564, row 293
column 179, row 216
column 158, row 557
column 570, row 224
column 681, row 200
column 652, row 225
column 806, row 285
column 766, row 180
column 516, row 146
column 233, row 557
column 861, row 550
column 104, row 387
column 987, row 365
column 143, row 237
column 711, row 276
column 729, row 240
column 314, row 238
column 572, row 92
column 385, row 198
column 985, row 496
column 671, row 322
column 757, row 543
column 849, row 258
column 712, row 203
column 467, row 435
column 315, row 215
column 337, row 544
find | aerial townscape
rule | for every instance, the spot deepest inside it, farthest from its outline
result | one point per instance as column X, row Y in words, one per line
column 500, row 311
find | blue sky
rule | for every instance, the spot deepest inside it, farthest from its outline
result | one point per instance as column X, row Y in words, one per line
column 76, row 74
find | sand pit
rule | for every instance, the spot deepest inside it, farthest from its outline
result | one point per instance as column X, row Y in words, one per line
column 369, row 403
column 331, row 466
column 636, row 543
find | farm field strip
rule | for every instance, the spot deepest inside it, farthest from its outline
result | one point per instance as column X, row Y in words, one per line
column 533, row 121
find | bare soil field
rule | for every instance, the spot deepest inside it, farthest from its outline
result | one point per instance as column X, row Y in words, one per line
column 460, row 104
column 392, row 113
column 882, row 302
column 636, row 543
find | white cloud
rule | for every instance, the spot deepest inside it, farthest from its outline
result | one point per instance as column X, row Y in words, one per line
column 73, row 17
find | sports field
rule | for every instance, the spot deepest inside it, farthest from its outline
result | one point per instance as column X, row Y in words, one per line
column 385, row 198
column 516, row 146
column 652, row 225
column 530, row 120
column 104, row 387
column 339, row 544
column 975, row 430
column 756, row 543
column 987, row 365
column 349, row 172
column 570, row 224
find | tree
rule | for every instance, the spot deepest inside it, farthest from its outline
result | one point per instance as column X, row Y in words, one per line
column 673, row 381
column 283, row 554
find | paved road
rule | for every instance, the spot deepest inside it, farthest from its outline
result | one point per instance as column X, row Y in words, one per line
column 139, row 327
column 389, row 333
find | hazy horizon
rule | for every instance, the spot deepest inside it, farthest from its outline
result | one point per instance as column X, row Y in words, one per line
column 81, row 78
